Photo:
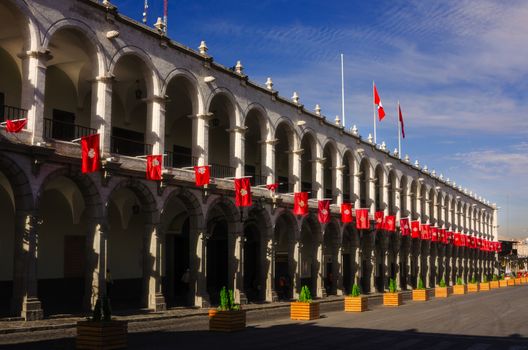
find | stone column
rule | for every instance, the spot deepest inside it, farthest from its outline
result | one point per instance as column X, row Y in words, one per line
column 372, row 196
column 268, row 156
column 385, row 200
column 397, row 268
column 25, row 297
column 237, row 153
column 357, row 185
column 339, row 269
column 358, row 266
column 319, row 282
column 200, row 131
column 153, row 297
column 296, row 166
column 235, row 262
column 96, row 257
column 386, row 269
column 155, row 134
column 339, row 183
column 101, row 117
column 198, row 266
column 373, row 264
column 319, row 178
column 269, row 274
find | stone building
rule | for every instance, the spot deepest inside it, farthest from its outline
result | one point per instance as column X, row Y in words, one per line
column 79, row 67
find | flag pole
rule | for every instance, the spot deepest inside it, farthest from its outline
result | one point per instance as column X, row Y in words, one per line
column 343, row 90
column 374, row 110
column 398, row 128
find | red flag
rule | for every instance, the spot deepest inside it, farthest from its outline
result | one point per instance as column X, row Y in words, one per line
column 362, row 220
column 499, row 247
column 456, row 239
column 473, row 242
column 272, row 187
column 377, row 102
column 300, row 203
column 443, row 235
column 462, row 240
column 15, row 126
column 346, row 212
column 405, row 227
column 378, row 216
column 90, row 153
column 401, row 121
column 154, row 167
column 390, row 223
column 426, row 232
column 479, row 243
column 324, row 211
column 202, row 175
column 450, row 238
column 415, row 229
column 434, row 234
column 243, row 192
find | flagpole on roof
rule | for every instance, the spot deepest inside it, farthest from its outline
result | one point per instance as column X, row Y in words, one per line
column 398, row 126
column 374, row 110
column 343, row 90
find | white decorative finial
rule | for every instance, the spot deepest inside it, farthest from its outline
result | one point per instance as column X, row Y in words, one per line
column 203, row 48
column 318, row 110
column 433, row 173
column 383, row 146
column 239, row 68
column 355, row 130
column 425, row 168
column 107, row 4
column 269, row 84
column 416, row 163
column 370, row 138
column 407, row 158
column 396, row 153
column 160, row 25
column 337, row 120
column 295, row 98
column 441, row 176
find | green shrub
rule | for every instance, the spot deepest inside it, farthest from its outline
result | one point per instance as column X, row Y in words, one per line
column 442, row 283
column 420, row 284
column 392, row 285
column 473, row 280
column 484, row 279
column 102, row 310
column 459, row 281
column 227, row 300
column 355, row 291
column 306, row 296
column 502, row 276
column 495, row 278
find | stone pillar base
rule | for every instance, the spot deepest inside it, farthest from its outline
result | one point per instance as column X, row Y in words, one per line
column 243, row 298
column 274, row 296
column 157, row 302
column 32, row 310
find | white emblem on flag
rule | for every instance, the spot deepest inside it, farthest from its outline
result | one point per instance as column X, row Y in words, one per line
column 91, row 153
column 324, row 211
column 155, row 162
column 347, row 212
column 201, row 170
column 301, row 203
column 243, row 192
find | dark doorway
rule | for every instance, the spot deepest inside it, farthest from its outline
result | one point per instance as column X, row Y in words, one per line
column 379, row 278
column 179, row 244
column 217, row 261
column 63, row 125
column 347, row 273
column 364, row 281
column 282, row 276
column 252, row 283
column 329, row 279
column 128, row 142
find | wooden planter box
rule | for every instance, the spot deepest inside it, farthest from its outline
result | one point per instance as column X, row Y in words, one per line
column 524, row 280
column 356, row 304
column 304, row 311
column 442, row 292
column 459, row 289
column 518, row 281
column 503, row 283
column 494, row 284
column 227, row 321
column 420, row 295
column 511, row 282
column 392, row 299
column 473, row 287
column 101, row 335
column 485, row 286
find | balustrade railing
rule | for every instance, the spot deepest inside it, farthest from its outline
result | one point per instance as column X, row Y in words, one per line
column 58, row 130
column 127, row 147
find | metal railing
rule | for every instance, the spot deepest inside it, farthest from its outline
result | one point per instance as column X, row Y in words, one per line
column 58, row 130
column 220, row 171
column 12, row 113
column 178, row 160
column 285, row 187
column 257, row 180
column 129, row 147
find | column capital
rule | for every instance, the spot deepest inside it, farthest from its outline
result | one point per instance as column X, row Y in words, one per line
column 104, row 79
column 272, row 142
column 238, row 129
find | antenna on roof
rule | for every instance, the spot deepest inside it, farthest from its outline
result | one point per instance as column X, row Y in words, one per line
column 165, row 13
column 145, row 11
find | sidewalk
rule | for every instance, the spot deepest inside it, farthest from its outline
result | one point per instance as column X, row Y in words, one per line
column 263, row 310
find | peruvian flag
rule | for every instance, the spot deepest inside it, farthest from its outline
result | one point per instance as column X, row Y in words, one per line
column 272, row 187
column 243, row 192
column 15, row 126
column 426, row 232
column 300, row 203
column 362, row 219
column 377, row 102
column 400, row 115
column 154, row 167
column 415, row 229
column 91, row 157
column 434, row 234
column 405, row 227
column 202, row 175
column 390, row 223
column 378, row 216
column 323, row 215
column 346, row 212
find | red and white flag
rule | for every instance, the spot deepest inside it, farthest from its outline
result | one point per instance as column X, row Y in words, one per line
column 426, row 232
column 405, row 227
column 400, row 116
column 415, row 229
column 243, row 192
column 323, row 215
column 389, row 223
column 457, row 240
column 434, row 234
column 272, row 187
column 346, row 212
column 202, row 175
column 15, row 126
column 378, row 217
column 300, row 203
column 91, row 156
column 362, row 219
column 377, row 102
column 450, row 235
column 154, row 167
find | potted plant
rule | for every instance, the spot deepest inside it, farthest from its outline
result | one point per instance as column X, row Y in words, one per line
column 305, row 308
column 442, row 291
column 392, row 297
column 100, row 331
column 355, row 302
column 484, row 285
column 228, row 317
column 460, row 287
column 473, row 285
column 503, row 282
column 518, row 280
column 510, row 281
column 420, row 293
column 495, row 282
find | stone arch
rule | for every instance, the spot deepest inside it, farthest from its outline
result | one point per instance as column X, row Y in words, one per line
column 143, row 193
column 332, row 158
column 348, row 175
column 294, row 136
column 234, row 120
column 262, row 117
column 190, row 77
column 404, row 192
column 379, row 178
column 256, row 124
column 22, row 192
column 32, row 29
column 331, row 243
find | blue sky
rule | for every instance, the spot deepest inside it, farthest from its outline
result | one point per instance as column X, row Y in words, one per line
column 459, row 68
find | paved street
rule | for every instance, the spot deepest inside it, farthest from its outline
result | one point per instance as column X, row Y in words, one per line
column 487, row 320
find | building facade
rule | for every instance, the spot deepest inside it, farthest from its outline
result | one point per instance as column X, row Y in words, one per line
column 75, row 68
